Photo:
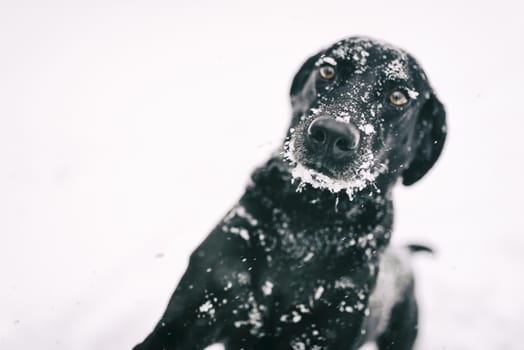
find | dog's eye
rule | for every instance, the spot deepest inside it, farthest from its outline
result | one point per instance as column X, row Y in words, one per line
column 398, row 98
column 327, row 72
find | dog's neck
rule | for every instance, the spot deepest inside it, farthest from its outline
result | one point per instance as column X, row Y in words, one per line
column 273, row 184
column 315, row 220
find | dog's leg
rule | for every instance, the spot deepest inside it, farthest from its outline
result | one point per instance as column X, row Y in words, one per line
column 330, row 319
column 208, row 299
column 181, row 327
column 402, row 328
column 329, row 329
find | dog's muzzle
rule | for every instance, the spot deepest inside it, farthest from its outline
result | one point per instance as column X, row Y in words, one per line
column 330, row 139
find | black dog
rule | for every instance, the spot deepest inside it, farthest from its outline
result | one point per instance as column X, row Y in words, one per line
column 294, row 265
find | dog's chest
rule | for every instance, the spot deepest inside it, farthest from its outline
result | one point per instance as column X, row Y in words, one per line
column 299, row 240
column 306, row 262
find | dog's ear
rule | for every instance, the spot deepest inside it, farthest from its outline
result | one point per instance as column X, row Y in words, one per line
column 303, row 74
column 431, row 128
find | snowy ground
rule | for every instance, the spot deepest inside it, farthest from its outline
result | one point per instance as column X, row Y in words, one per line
column 127, row 129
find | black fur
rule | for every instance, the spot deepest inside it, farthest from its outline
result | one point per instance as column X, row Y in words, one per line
column 293, row 265
column 415, row 248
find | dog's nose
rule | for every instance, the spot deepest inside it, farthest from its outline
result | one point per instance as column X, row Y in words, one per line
column 337, row 138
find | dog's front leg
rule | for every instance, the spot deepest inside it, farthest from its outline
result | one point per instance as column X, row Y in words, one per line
column 200, row 310
column 331, row 317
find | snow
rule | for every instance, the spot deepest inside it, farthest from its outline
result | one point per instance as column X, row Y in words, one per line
column 267, row 288
column 396, row 70
column 254, row 321
column 293, row 317
column 242, row 232
column 206, row 306
column 412, row 94
column 228, row 285
column 328, row 60
column 241, row 212
column 366, row 174
column 344, row 282
column 368, row 129
column 318, row 292
column 309, row 256
column 243, row 278
column 129, row 130
column 298, row 345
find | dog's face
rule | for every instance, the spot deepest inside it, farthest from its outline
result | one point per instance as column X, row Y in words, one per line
column 362, row 111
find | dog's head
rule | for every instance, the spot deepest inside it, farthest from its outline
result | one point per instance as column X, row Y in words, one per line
column 363, row 113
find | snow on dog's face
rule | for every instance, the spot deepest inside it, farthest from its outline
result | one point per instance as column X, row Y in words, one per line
column 363, row 115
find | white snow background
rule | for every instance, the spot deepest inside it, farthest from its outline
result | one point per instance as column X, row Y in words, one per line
column 128, row 128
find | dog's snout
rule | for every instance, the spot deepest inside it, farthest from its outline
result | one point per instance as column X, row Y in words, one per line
column 336, row 138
